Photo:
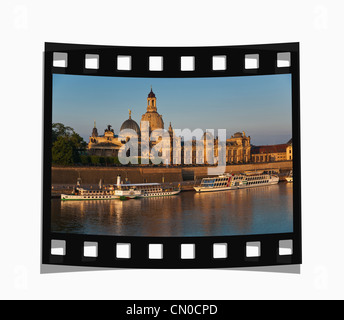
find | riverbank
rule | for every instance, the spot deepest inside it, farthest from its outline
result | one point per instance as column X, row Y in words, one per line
column 108, row 175
column 189, row 177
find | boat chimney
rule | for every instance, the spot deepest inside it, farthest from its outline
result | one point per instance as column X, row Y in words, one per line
column 118, row 181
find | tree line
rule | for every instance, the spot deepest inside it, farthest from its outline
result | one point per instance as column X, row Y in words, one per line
column 69, row 148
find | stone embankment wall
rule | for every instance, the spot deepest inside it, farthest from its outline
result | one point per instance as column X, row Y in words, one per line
column 201, row 172
column 92, row 175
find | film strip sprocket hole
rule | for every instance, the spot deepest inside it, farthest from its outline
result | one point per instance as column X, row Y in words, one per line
column 179, row 213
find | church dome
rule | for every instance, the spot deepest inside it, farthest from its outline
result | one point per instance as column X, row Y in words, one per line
column 131, row 124
column 238, row 135
column 154, row 119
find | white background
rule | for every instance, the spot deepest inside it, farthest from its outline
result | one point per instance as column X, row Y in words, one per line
column 317, row 25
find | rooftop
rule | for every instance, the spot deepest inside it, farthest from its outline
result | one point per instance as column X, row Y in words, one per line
column 277, row 148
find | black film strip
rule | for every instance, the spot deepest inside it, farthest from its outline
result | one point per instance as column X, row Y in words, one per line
column 68, row 248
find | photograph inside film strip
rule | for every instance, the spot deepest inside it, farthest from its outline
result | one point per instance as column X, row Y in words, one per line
column 189, row 161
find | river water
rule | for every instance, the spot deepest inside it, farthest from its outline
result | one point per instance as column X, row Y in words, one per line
column 259, row 210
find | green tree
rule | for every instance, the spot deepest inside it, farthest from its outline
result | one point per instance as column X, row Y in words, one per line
column 62, row 151
column 59, row 129
column 95, row 160
column 109, row 160
column 66, row 145
column 85, row 159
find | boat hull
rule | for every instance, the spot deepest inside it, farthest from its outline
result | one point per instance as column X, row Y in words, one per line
column 200, row 189
column 69, row 197
column 259, row 185
column 160, row 194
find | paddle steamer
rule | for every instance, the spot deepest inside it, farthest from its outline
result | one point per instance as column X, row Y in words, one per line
column 122, row 191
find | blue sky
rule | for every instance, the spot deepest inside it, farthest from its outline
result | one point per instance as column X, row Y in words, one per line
column 258, row 105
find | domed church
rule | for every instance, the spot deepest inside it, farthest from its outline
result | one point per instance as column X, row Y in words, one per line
column 238, row 147
column 108, row 144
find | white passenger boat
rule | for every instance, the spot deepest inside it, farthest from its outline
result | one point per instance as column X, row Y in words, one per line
column 148, row 190
column 237, row 181
column 103, row 194
column 289, row 177
column 122, row 191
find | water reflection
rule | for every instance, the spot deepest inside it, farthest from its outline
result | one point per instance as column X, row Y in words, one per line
column 237, row 212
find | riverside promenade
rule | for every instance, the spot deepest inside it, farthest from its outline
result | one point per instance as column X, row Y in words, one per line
column 64, row 178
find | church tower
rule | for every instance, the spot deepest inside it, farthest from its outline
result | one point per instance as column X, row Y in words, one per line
column 94, row 131
column 151, row 102
column 170, row 130
column 152, row 116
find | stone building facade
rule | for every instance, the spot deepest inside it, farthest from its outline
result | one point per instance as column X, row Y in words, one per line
column 289, row 150
column 106, row 145
column 238, row 147
column 109, row 144
column 270, row 153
